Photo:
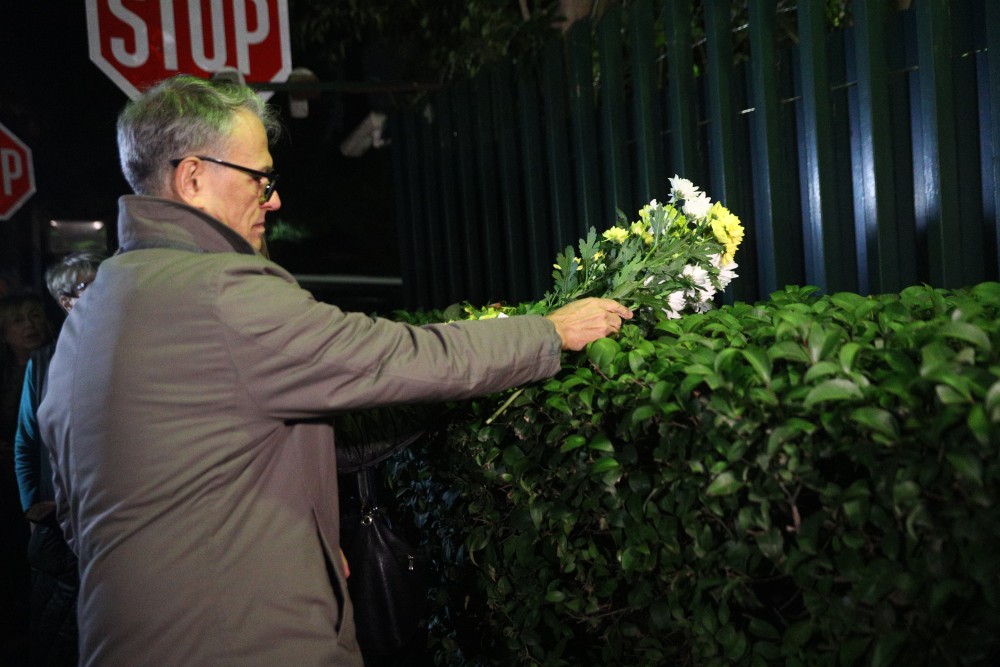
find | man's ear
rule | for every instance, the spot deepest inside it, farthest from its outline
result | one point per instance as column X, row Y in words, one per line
column 188, row 181
column 65, row 302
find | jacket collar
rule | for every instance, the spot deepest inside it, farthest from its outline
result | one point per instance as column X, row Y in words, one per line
column 153, row 222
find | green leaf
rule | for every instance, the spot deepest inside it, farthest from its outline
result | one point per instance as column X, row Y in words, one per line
column 967, row 332
column 601, row 443
column 602, row 353
column 555, row 596
column 799, row 633
column 636, row 362
column 887, row 648
column 966, row 465
column 642, row 413
column 604, row 464
column 993, row 401
column 660, row 391
column 789, row 350
column 760, row 362
column 820, row 370
column 979, row 425
column 762, row 628
column 849, row 355
column 838, row 389
column 878, row 420
column 558, row 402
column 572, row 442
column 724, row 484
column 659, row 614
column 905, row 493
column 771, row 544
column 478, row 539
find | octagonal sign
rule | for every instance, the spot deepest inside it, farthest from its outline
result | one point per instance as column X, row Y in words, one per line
column 139, row 42
column 17, row 177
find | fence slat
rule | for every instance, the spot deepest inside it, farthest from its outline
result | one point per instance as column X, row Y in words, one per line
column 874, row 185
column 465, row 174
column 555, row 104
column 405, row 171
column 681, row 98
column 828, row 236
column 721, row 111
column 510, row 200
column 938, row 205
column 640, row 27
column 583, row 126
column 430, row 242
column 723, row 163
column 614, row 121
column 539, row 249
column 487, row 217
column 765, row 145
column 993, row 54
column 449, row 224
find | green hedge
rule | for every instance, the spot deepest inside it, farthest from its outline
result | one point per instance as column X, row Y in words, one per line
column 811, row 480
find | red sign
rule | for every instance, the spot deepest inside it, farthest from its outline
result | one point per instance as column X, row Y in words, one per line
column 17, row 179
column 139, row 42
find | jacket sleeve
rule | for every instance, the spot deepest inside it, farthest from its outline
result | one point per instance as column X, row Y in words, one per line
column 301, row 358
column 27, row 443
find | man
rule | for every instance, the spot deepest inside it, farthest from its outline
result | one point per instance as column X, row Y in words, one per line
column 55, row 579
column 195, row 477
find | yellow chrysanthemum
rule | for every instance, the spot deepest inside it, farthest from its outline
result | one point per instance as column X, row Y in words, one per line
column 727, row 229
column 616, row 234
column 641, row 229
column 598, row 256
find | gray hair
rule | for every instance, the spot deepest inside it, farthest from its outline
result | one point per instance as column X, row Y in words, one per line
column 181, row 116
column 63, row 277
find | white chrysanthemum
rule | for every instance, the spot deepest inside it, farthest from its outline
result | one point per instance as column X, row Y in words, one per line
column 703, row 289
column 726, row 274
column 682, row 188
column 698, row 276
column 698, row 206
column 675, row 304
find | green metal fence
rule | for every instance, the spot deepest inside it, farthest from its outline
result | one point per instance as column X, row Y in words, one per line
column 862, row 159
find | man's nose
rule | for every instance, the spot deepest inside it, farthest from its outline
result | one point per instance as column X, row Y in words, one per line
column 274, row 203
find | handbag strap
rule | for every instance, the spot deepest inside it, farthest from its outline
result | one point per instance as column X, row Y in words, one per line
column 367, row 493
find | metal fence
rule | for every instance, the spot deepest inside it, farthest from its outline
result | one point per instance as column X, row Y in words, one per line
column 861, row 159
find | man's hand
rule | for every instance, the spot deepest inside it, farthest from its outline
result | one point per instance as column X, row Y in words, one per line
column 583, row 321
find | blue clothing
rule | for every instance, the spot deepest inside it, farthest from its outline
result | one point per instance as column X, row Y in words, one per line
column 31, row 459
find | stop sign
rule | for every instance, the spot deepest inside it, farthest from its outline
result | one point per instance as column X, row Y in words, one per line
column 138, row 42
column 17, row 179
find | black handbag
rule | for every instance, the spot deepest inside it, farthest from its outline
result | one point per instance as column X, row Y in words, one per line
column 389, row 579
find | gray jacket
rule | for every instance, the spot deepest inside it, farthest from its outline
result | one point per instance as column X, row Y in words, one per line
column 193, row 476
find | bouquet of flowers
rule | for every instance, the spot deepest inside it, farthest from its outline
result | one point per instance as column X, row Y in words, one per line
column 671, row 261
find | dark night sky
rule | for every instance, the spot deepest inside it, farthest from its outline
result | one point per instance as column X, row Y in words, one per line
column 64, row 108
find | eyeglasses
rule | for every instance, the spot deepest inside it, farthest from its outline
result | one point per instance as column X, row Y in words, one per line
column 78, row 289
column 271, row 176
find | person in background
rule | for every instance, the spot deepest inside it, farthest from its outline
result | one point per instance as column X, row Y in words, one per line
column 189, row 396
column 55, row 580
column 23, row 329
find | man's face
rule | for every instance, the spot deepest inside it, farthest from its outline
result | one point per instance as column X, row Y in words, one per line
column 233, row 197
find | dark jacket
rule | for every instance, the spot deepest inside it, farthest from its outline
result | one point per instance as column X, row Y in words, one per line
column 31, row 460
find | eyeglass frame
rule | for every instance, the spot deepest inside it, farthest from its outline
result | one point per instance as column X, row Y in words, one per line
column 78, row 289
column 271, row 176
